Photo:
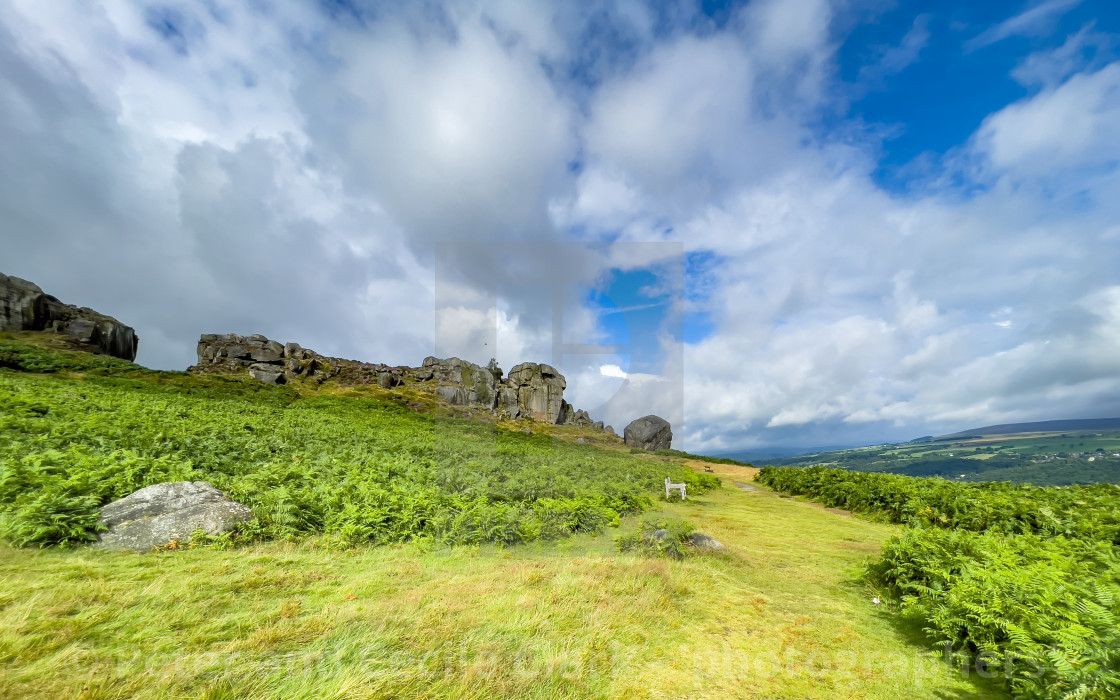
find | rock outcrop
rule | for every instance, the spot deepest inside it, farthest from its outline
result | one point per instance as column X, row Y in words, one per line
column 265, row 360
column 160, row 514
column 534, row 391
column 461, row 383
column 649, row 433
column 572, row 416
column 540, row 391
column 26, row 307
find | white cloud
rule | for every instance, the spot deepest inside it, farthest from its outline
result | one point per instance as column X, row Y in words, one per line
column 1051, row 67
column 412, row 183
column 894, row 59
column 1038, row 19
column 612, row 371
column 677, row 118
column 1072, row 125
column 460, row 139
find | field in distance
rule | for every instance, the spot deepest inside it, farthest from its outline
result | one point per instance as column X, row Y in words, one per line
column 1041, row 457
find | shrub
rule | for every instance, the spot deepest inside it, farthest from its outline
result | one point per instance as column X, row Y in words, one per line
column 50, row 518
column 671, row 545
column 1044, row 611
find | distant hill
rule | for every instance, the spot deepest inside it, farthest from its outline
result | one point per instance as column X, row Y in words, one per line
column 763, row 454
column 1048, row 453
column 1046, row 426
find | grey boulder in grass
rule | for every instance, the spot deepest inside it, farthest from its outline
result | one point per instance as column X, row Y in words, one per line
column 650, row 433
column 160, row 514
column 704, row 542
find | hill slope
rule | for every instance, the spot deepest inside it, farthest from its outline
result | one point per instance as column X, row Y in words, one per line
column 1021, row 579
column 1046, row 426
column 306, row 605
column 354, row 467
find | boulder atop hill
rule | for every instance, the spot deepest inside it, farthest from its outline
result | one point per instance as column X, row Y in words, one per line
column 540, row 391
column 649, row 433
column 26, row 307
column 157, row 515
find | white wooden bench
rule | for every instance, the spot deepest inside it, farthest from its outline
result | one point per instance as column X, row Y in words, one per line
column 669, row 486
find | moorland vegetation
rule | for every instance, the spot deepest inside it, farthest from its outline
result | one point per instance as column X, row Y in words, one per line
column 1022, row 580
column 352, row 468
column 397, row 553
column 1016, row 582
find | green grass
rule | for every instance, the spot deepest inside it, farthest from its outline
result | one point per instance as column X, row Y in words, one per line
column 1025, row 578
column 404, row 555
column 355, row 468
column 782, row 615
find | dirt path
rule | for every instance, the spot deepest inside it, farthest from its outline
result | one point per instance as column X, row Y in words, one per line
column 739, row 476
column 729, row 471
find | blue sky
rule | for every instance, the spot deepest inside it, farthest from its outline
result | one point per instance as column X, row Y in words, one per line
column 958, row 75
column 813, row 221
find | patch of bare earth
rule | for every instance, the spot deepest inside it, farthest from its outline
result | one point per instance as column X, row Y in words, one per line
column 730, row 471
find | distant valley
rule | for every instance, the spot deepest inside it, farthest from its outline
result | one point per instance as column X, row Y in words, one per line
column 1046, row 453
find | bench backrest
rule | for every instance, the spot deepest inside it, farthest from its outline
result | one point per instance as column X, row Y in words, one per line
column 669, row 486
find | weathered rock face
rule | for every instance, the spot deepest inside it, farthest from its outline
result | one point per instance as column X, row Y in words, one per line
column 157, row 515
column 649, row 433
column 19, row 304
column 531, row 390
column 569, row 415
column 540, row 391
column 265, row 360
column 25, row 307
column 460, row 382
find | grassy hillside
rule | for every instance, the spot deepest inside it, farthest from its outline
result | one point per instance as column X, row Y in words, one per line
column 353, row 468
column 404, row 555
column 782, row 615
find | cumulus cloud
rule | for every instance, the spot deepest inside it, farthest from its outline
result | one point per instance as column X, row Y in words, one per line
column 460, row 137
column 461, row 178
column 1073, row 124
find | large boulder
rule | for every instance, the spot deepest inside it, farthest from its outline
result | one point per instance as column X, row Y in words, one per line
column 25, row 307
column 507, row 402
column 540, row 391
column 266, row 373
column 649, row 433
column 20, row 304
column 453, row 395
column 157, row 515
